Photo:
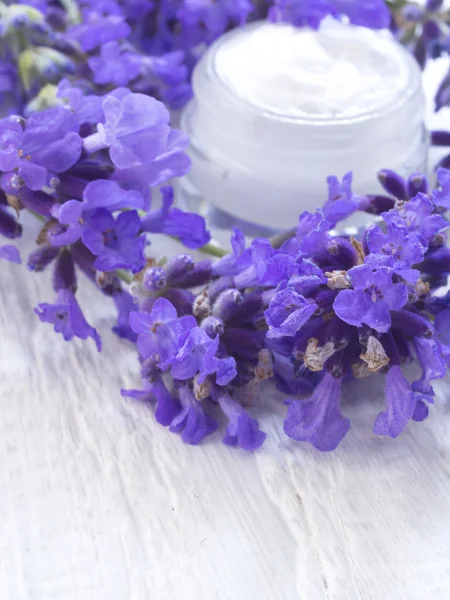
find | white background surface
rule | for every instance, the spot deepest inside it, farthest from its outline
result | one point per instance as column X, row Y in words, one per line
column 98, row 502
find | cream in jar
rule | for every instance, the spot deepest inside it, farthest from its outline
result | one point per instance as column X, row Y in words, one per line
column 277, row 109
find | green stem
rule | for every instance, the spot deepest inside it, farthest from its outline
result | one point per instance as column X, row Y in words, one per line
column 213, row 249
column 277, row 240
column 37, row 215
column 125, row 276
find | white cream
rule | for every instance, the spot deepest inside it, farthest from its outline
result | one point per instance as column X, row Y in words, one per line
column 278, row 109
column 300, row 72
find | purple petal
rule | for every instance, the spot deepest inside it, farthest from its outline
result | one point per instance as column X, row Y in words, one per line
column 287, row 313
column 141, row 322
column 192, row 422
column 400, row 405
column 163, row 311
column 318, row 420
column 168, row 407
column 124, row 304
column 432, row 363
column 10, row 253
column 242, row 429
column 34, row 176
column 108, row 194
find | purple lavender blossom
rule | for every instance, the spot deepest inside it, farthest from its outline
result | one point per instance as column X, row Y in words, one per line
column 171, row 162
column 83, row 219
column 189, row 228
column 441, row 197
column 66, row 317
column 373, row 296
column 10, row 253
column 442, row 325
column 287, row 313
column 115, row 65
column 400, row 404
column 242, row 430
column 368, row 13
column 136, row 130
column 398, row 242
column 125, row 305
column 417, row 215
column 268, row 266
column 341, row 201
column 115, row 242
column 198, row 355
column 98, row 29
column 86, row 107
column 159, row 331
column 318, row 420
column 193, row 422
column 49, row 144
column 238, row 260
column 167, row 407
column 215, row 17
column 432, row 363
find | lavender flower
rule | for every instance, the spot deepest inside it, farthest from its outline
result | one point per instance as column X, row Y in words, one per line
column 418, row 216
column 197, row 355
column 401, row 403
column 136, row 130
column 188, row 227
column 167, row 407
column 49, row 144
column 373, row 296
column 242, row 430
column 288, row 312
column 99, row 29
column 341, row 200
column 318, row 420
column 307, row 313
column 368, row 13
column 116, row 242
column 10, row 253
column 115, row 65
column 193, row 422
column 67, row 319
column 159, row 331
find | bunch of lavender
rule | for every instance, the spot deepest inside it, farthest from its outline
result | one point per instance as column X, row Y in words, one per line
column 87, row 169
column 86, row 146
column 310, row 311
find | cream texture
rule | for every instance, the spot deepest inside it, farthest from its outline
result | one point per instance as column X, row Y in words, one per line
column 278, row 109
column 334, row 72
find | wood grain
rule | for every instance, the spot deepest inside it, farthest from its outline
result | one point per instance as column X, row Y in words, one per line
column 98, row 502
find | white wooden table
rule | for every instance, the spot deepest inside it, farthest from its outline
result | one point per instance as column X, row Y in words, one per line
column 98, row 502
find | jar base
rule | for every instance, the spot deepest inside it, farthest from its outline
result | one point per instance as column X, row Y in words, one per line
column 218, row 222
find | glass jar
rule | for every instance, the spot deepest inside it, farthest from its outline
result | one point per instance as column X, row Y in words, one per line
column 277, row 109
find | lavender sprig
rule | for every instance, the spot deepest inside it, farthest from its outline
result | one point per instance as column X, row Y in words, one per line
column 320, row 310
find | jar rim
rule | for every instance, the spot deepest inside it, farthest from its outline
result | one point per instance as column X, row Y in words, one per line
column 208, row 67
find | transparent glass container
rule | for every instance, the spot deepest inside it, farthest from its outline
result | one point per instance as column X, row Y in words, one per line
column 266, row 130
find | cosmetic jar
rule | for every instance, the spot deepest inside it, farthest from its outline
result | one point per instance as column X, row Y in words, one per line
column 277, row 109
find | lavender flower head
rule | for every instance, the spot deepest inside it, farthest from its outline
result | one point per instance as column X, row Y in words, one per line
column 322, row 309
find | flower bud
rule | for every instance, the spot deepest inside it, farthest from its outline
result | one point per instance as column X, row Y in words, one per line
column 154, row 279
column 41, row 258
column 393, row 183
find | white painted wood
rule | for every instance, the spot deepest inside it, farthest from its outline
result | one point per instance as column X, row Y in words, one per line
column 98, row 502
